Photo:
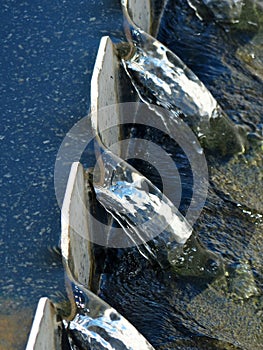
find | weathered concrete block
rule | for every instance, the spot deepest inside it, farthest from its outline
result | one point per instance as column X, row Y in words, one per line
column 104, row 92
column 145, row 14
column 140, row 13
column 75, row 240
column 44, row 333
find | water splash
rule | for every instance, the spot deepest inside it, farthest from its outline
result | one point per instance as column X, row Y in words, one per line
column 161, row 78
column 152, row 223
column 96, row 325
column 147, row 216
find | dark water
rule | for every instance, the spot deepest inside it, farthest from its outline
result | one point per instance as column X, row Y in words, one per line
column 211, row 49
column 48, row 50
column 176, row 308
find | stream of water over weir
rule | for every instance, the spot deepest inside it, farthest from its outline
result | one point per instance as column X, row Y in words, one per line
column 180, row 184
column 160, row 187
column 206, row 69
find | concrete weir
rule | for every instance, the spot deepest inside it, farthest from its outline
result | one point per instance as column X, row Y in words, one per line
column 76, row 224
column 75, row 242
column 105, row 91
column 45, row 331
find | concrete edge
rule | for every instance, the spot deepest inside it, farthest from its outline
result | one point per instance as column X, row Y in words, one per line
column 140, row 12
column 104, row 92
column 145, row 15
column 43, row 334
column 75, row 238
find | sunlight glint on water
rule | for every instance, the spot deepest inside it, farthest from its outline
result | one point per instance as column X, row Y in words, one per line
column 142, row 210
column 161, row 78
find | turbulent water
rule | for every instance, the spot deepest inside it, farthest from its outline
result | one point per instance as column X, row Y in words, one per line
column 209, row 293
column 143, row 210
column 184, row 306
column 160, row 77
column 96, row 325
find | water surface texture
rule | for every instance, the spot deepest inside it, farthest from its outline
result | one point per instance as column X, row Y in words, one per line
column 48, row 50
column 184, row 306
column 48, row 55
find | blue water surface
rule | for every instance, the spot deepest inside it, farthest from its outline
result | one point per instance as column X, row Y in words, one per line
column 48, row 50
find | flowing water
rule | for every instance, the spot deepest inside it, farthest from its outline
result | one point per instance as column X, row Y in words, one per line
column 93, row 324
column 184, row 287
column 133, row 199
column 151, row 222
column 160, row 77
column 185, row 304
column 182, row 306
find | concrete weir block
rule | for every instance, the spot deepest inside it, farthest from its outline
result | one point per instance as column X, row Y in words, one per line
column 146, row 14
column 140, row 13
column 110, row 88
column 44, row 334
column 104, row 92
column 75, row 242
